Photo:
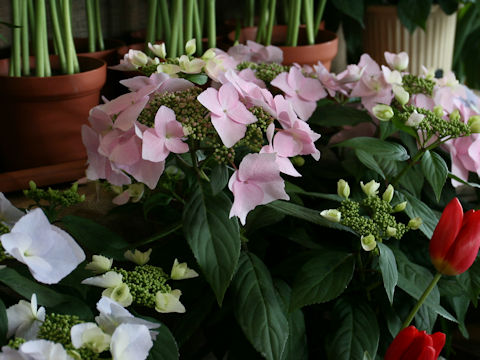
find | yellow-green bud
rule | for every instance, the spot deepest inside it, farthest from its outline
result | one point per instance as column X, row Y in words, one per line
column 32, row 185
column 136, row 191
column 158, row 49
column 414, row 119
column 415, row 223
column 169, row 302
column 455, row 115
column 388, row 194
column 383, row 112
column 391, row 231
column 120, row 294
column 138, row 257
column 209, row 54
column 343, row 189
column 298, row 160
column 474, row 123
column 190, row 47
column 181, row 271
column 368, row 242
column 175, row 172
column 99, row 264
column 370, row 188
column 332, row 215
column 96, row 340
column 400, row 207
column 438, row 111
column 401, row 95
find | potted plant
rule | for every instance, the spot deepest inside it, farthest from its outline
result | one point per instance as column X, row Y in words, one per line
column 45, row 98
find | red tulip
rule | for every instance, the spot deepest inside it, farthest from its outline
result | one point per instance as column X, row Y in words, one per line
column 411, row 344
column 456, row 239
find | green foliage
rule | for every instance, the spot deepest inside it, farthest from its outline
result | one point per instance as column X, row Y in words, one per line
column 332, row 114
column 435, row 171
column 388, row 266
column 414, row 13
column 3, row 323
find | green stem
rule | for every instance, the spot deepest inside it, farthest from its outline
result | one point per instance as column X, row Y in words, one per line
column 90, row 24
column 98, row 25
column 46, row 54
column 211, row 32
column 250, row 20
column 173, row 45
column 264, row 14
column 319, row 16
column 295, row 25
column 198, row 28
column 159, row 23
column 271, row 21
column 188, row 20
column 72, row 62
column 57, row 34
column 166, row 21
column 25, row 39
column 309, row 23
column 39, row 29
column 16, row 57
column 181, row 42
column 420, row 301
column 201, row 12
column 152, row 12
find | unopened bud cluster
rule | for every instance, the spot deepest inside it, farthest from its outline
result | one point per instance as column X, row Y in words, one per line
column 417, row 85
column 264, row 71
column 54, row 198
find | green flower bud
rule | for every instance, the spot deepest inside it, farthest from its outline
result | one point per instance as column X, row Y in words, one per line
column 158, row 49
column 388, row 194
column 169, row 302
column 138, row 257
column 332, row 215
column 343, row 189
column 298, row 161
column 208, row 55
column 438, row 111
column 99, row 264
column 190, row 47
column 414, row 119
column 120, row 294
column 32, row 185
column 370, row 188
column 455, row 115
column 96, row 340
column 136, row 191
column 383, row 112
column 415, row 223
column 391, row 231
column 181, row 271
column 175, row 172
column 401, row 95
column 400, row 207
column 474, row 123
column 368, row 242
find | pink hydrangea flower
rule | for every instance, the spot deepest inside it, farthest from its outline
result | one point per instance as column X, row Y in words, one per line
column 283, row 112
column 256, row 52
column 249, row 75
column 298, row 140
column 303, row 92
column 256, row 182
column 164, row 138
column 217, row 66
column 229, row 115
column 157, row 83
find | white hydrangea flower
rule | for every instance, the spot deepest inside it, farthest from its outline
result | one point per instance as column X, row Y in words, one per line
column 130, row 341
column 169, row 302
column 9, row 214
column 24, row 319
column 181, row 271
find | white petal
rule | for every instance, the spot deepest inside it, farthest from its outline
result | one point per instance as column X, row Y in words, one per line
column 107, row 280
column 131, row 341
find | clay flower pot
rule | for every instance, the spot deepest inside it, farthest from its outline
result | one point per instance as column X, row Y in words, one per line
column 323, row 50
column 109, row 55
column 42, row 117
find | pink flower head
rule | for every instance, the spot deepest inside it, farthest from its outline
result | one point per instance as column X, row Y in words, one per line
column 298, row 140
column 283, row 112
column 284, row 164
column 465, row 156
column 249, row 75
column 265, row 54
column 256, row 182
column 157, row 83
column 327, row 79
column 229, row 115
column 164, row 138
column 303, row 92
column 217, row 66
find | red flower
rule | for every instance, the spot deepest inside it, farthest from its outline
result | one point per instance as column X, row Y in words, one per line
column 411, row 344
column 456, row 239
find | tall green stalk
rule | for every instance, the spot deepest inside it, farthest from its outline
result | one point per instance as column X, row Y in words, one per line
column 294, row 23
column 159, row 24
column 166, row 21
column 211, row 30
column 72, row 65
column 319, row 16
column 98, row 25
column 181, row 42
column 40, row 28
column 201, row 12
column 309, row 23
column 173, row 45
column 16, row 57
column 152, row 13
column 271, row 21
column 25, row 40
column 90, row 24
column 188, row 19
column 250, row 10
column 261, row 31
column 198, row 28
column 57, row 35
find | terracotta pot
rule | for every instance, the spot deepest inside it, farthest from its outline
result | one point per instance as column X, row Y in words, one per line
column 323, row 50
column 109, row 55
column 42, row 117
column 431, row 48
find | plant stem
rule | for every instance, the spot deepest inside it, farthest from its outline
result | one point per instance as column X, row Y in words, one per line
column 16, row 57
column 67, row 28
column 198, row 28
column 166, row 21
column 319, row 16
column 173, row 45
column 295, row 25
column 181, row 42
column 152, row 12
column 98, row 24
column 159, row 24
column 25, row 39
column 90, row 24
column 201, row 12
column 250, row 20
column 211, row 32
column 271, row 20
column 57, row 34
column 39, row 29
column 420, row 301
column 309, row 23
column 260, row 38
column 188, row 20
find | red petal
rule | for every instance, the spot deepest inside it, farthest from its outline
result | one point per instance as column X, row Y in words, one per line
column 438, row 342
column 428, row 353
column 401, row 343
column 417, row 347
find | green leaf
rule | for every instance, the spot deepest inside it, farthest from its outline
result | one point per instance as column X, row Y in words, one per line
column 387, row 128
column 460, row 305
column 369, row 161
column 448, row 6
column 45, row 295
column 199, row 79
column 413, row 13
column 425, row 318
column 164, row 346
column 414, row 279
column 212, row 236
column 354, row 9
column 219, row 178
column 322, row 278
column 294, row 189
column 296, row 347
column 377, row 147
column 154, row 201
column 257, row 308
column 261, row 217
column 416, row 207
column 306, row 214
column 388, row 266
column 470, row 282
column 356, row 331
column 3, row 323
column 96, row 238
column 435, row 171
column 338, row 115
column 413, row 180
column 455, row 177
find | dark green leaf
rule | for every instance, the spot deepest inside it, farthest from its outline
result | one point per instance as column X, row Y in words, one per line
column 387, row 128
column 338, row 115
column 369, row 161
column 388, row 266
column 460, row 305
column 354, row 9
column 45, row 296
column 435, row 171
column 219, row 178
column 455, row 177
column 199, row 79
column 212, row 236
column 154, row 201
column 261, row 217
column 416, row 207
column 95, row 237
column 356, row 332
column 377, row 147
column 470, row 281
column 294, row 189
column 448, row 6
column 410, row 142
column 170, row 229
column 400, row 125
column 257, row 308
column 413, row 13
column 413, row 180
column 322, row 278
column 425, row 319
column 3, row 323
column 306, row 214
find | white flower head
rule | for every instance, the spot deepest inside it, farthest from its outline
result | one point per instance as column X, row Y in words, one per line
column 158, row 49
column 190, row 47
column 131, row 341
column 392, row 76
column 188, row 66
column 107, row 280
column 169, row 69
column 89, row 335
column 332, row 215
column 397, row 61
column 137, row 58
column 138, row 257
column 401, row 95
column 25, row 319
column 49, row 252
column 99, row 264
column 414, row 119
column 169, row 302
column 9, row 214
column 368, row 242
column 370, row 188
column 120, row 293
column 181, row 271
column 43, row 350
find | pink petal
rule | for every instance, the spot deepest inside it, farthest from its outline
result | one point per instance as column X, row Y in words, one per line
column 286, row 166
column 172, row 85
column 281, row 82
column 228, row 96
column 127, row 118
column 311, row 90
column 209, row 99
column 176, row 146
column 163, row 116
column 136, row 83
column 246, row 198
column 100, row 120
column 146, row 172
column 258, row 168
column 153, row 148
column 273, row 190
column 304, row 109
column 174, row 130
column 286, row 145
column 240, row 114
column 229, row 131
